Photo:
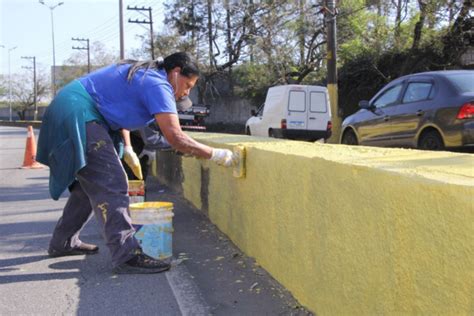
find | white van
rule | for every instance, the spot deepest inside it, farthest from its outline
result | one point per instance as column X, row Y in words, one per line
column 293, row 112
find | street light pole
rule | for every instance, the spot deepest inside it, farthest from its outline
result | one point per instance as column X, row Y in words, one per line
column 10, row 82
column 51, row 8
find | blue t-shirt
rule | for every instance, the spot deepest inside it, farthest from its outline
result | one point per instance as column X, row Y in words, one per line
column 133, row 104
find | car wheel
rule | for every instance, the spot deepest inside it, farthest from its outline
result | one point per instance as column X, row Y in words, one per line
column 349, row 138
column 270, row 133
column 431, row 140
column 248, row 131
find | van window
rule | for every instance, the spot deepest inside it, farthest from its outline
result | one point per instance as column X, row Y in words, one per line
column 296, row 101
column 318, row 102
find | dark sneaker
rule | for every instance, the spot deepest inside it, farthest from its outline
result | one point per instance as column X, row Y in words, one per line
column 83, row 249
column 143, row 264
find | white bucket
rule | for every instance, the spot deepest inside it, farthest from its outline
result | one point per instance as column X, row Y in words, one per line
column 153, row 222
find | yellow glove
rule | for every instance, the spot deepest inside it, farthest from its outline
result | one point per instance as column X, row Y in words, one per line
column 132, row 161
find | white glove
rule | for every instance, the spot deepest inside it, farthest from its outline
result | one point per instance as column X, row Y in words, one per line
column 223, row 157
column 132, row 161
column 151, row 154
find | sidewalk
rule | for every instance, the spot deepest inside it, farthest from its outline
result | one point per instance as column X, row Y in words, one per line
column 210, row 275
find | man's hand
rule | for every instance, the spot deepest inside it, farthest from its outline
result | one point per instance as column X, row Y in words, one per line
column 132, row 161
column 151, row 154
column 223, row 157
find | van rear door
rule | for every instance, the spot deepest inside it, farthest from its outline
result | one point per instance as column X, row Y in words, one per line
column 318, row 115
column 297, row 109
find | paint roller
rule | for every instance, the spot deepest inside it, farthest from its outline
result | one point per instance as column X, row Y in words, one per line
column 239, row 161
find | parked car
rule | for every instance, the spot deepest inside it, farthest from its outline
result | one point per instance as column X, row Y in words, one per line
column 429, row 110
column 193, row 116
column 293, row 112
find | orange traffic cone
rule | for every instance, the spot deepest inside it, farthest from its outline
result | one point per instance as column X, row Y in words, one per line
column 29, row 162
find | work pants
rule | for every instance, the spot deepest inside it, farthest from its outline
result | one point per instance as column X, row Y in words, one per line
column 101, row 187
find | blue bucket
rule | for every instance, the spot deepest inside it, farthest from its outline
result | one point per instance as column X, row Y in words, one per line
column 153, row 222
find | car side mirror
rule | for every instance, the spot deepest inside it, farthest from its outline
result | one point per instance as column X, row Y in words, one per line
column 364, row 104
column 253, row 112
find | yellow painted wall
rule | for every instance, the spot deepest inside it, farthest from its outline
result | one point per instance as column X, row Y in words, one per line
column 349, row 230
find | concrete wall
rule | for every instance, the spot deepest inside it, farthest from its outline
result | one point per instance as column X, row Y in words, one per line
column 348, row 230
column 5, row 113
column 230, row 110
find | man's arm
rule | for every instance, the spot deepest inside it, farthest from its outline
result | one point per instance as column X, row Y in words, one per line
column 171, row 129
column 126, row 137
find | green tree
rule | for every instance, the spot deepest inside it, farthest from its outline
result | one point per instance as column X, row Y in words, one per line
column 255, row 44
column 23, row 96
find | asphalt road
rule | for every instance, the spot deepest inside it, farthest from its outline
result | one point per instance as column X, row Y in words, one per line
column 210, row 276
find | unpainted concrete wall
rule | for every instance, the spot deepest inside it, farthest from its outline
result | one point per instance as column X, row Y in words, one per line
column 348, row 230
column 5, row 113
column 229, row 110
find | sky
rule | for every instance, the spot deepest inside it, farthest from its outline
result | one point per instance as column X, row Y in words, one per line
column 26, row 24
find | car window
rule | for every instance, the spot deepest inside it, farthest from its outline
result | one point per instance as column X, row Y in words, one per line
column 318, row 102
column 417, row 91
column 388, row 97
column 463, row 82
column 297, row 101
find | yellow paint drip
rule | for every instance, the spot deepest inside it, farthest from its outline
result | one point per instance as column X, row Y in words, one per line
column 99, row 144
column 103, row 207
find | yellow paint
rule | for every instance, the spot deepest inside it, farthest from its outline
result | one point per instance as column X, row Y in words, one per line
column 99, row 144
column 239, row 168
column 192, row 183
column 335, row 119
column 147, row 206
column 103, row 208
column 153, row 170
column 349, row 230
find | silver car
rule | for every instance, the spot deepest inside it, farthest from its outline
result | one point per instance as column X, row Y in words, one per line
column 429, row 110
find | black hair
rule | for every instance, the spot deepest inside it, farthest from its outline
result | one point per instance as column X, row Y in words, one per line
column 183, row 60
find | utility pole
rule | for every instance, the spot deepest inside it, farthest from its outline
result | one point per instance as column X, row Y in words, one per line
column 122, row 45
column 84, row 48
column 150, row 21
column 330, row 13
column 35, row 91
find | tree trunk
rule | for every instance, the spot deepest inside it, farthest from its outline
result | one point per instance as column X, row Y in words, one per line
column 451, row 10
column 209, row 31
column 22, row 115
column 419, row 25
column 398, row 22
column 193, row 28
column 301, row 31
column 229, row 46
column 252, row 32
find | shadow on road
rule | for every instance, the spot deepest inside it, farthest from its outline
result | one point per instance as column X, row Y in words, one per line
column 11, row 262
column 34, row 192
